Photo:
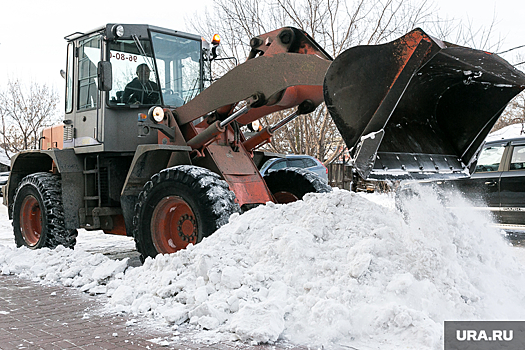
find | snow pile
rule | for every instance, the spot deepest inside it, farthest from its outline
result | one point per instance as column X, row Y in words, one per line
column 80, row 269
column 332, row 270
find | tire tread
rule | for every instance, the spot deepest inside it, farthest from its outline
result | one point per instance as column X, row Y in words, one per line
column 48, row 187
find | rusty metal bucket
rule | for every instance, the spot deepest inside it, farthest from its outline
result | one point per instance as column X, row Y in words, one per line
column 417, row 107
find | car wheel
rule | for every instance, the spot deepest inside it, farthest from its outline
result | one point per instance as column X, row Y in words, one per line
column 291, row 184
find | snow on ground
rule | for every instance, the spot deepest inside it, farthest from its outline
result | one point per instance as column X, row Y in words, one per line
column 336, row 270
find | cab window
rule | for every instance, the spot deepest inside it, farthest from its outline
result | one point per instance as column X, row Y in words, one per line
column 69, row 78
column 89, row 56
column 179, row 63
column 134, row 77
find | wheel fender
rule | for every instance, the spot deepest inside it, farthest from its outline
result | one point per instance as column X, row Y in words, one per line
column 147, row 161
column 66, row 162
column 23, row 164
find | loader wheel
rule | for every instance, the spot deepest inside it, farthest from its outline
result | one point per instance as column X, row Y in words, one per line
column 38, row 214
column 179, row 206
column 291, row 184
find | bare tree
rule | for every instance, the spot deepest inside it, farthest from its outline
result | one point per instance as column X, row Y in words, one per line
column 23, row 114
column 466, row 33
column 336, row 25
column 513, row 114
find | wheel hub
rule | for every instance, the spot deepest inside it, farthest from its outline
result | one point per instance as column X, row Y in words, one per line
column 284, row 197
column 187, row 228
column 30, row 220
column 173, row 225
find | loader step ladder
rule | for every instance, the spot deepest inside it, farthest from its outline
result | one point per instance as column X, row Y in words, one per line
column 92, row 195
column 91, row 180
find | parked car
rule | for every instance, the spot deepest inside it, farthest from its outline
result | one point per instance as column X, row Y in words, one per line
column 4, row 176
column 296, row 161
column 497, row 182
column 499, row 178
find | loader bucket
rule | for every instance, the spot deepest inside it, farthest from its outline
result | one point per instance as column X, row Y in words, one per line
column 417, row 107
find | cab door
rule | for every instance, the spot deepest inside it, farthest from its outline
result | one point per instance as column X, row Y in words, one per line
column 87, row 112
column 512, row 187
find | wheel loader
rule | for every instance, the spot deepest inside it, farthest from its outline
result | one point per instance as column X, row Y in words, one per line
column 151, row 147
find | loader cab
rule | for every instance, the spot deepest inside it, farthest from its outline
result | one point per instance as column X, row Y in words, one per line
column 116, row 72
column 172, row 63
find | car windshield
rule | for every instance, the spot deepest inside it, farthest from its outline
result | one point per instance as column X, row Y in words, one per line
column 165, row 70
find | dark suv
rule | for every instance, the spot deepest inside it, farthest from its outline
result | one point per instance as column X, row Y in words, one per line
column 499, row 176
column 498, row 181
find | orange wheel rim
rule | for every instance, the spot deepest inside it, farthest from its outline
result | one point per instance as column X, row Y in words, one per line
column 173, row 225
column 284, row 197
column 31, row 220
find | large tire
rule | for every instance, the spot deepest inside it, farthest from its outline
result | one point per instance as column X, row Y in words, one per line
column 179, row 206
column 291, row 184
column 38, row 214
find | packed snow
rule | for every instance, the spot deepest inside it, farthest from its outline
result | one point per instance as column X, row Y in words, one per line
column 336, row 270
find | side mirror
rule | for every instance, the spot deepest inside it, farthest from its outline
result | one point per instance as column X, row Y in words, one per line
column 105, row 76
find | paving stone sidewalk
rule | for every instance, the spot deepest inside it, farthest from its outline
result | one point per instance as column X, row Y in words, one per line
column 34, row 316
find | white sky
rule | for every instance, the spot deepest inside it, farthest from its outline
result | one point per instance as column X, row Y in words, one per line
column 508, row 16
column 32, row 47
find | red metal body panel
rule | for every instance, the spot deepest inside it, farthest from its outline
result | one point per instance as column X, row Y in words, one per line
column 249, row 189
column 119, row 228
column 240, row 173
column 53, row 137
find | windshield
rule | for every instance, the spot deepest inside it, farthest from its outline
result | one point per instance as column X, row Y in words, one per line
column 133, row 71
column 166, row 69
column 179, row 67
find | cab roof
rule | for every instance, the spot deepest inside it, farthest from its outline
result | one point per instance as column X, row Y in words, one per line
column 130, row 30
